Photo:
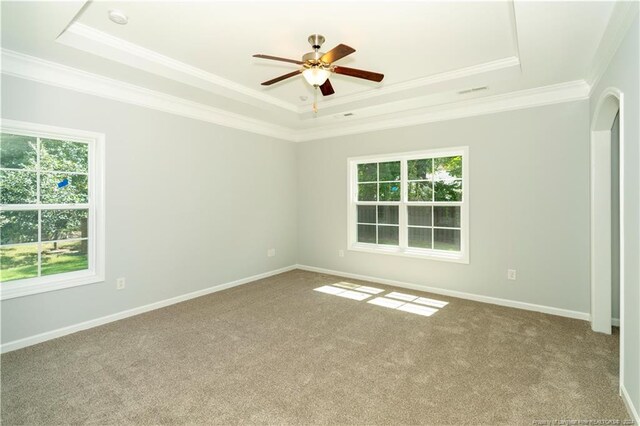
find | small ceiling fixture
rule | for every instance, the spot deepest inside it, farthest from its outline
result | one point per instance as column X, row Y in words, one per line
column 118, row 17
column 317, row 66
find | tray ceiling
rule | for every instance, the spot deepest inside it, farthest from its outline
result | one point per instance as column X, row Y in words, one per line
column 430, row 52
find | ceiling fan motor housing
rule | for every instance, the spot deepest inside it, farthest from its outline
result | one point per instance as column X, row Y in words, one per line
column 312, row 59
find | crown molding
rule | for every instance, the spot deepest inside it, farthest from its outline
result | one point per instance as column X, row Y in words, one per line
column 497, row 65
column 54, row 74
column 529, row 98
column 99, row 43
column 622, row 16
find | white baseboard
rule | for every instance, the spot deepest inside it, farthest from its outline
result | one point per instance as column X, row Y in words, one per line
column 633, row 411
column 43, row 337
column 453, row 293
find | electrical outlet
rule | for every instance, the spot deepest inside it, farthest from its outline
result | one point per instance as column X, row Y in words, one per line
column 511, row 274
column 120, row 283
column 271, row 252
column 340, row 253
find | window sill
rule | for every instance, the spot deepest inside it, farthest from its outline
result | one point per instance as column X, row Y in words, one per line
column 26, row 287
column 415, row 253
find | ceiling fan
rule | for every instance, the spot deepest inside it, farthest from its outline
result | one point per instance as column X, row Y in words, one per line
column 317, row 66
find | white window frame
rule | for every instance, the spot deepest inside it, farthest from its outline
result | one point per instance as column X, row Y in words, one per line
column 96, row 207
column 403, row 249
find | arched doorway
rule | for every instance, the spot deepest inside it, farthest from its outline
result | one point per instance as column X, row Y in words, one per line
column 609, row 110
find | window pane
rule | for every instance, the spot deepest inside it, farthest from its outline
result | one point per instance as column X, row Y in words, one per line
column 18, row 187
column 446, row 239
column 448, row 190
column 420, row 237
column 18, row 262
column 389, row 191
column 389, row 171
column 367, row 191
column 64, row 224
column 366, row 214
column 58, row 188
column 388, row 235
column 18, row 152
column 388, row 214
column 18, row 226
column 419, row 215
column 448, row 167
column 367, row 234
column 64, row 156
column 446, row 216
column 368, row 172
column 58, row 258
column 420, row 191
column 420, row 169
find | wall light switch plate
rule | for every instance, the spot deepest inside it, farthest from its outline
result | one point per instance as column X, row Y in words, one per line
column 511, row 274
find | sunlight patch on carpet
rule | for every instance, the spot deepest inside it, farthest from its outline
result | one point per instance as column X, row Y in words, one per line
column 342, row 292
column 394, row 300
column 416, row 299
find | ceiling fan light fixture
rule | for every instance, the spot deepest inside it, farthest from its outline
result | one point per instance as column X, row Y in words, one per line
column 316, row 76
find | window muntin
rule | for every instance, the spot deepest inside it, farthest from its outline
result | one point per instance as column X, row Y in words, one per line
column 50, row 208
column 413, row 204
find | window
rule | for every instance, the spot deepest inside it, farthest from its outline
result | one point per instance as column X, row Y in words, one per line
column 413, row 204
column 51, row 208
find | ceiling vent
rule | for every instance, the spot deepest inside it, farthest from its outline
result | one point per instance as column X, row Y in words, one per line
column 474, row 89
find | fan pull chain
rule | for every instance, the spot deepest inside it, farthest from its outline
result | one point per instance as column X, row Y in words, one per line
column 315, row 100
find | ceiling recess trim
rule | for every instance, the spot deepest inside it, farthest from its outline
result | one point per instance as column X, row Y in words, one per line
column 42, row 71
column 496, row 65
column 99, row 43
column 529, row 98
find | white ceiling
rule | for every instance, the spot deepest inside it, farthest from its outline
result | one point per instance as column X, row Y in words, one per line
column 428, row 51
column 220, row 37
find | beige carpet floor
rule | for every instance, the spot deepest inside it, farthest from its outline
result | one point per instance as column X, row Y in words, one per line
column 276, row 351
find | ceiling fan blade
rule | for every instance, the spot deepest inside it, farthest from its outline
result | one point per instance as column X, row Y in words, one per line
column 327, row 88
column 338, row 52
column 282, row 77
column 275, row 58
column 353, row 72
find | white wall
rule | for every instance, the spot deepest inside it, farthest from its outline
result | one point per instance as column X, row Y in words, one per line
column 623, row 73
column 529, row 205
column 189, row 205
